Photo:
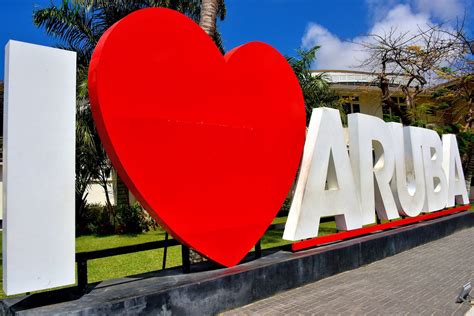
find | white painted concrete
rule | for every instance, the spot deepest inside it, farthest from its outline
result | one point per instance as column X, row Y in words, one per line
column 452, row 166
column 325, row 185
column 369, row 136
column 39, row 156
column 408, row 185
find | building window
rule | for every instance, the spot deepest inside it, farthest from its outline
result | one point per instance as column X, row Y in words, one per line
column 401, row 102
column 351, row 104
column 355, row 108
column 387, row 112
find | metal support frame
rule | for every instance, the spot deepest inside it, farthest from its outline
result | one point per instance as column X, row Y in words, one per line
column 186, row 262
column 165, row 252
column 258, row 249
column 82, row 275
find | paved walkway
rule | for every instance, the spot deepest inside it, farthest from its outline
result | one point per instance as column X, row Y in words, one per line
column 422, row 281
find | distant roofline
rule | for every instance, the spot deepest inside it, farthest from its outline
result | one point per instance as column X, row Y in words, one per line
column 352, row 72
column 343, row 71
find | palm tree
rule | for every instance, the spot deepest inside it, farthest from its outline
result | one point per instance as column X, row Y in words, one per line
column 209, row 11
column 315, row 87
column 207, row 20
column 78, row 25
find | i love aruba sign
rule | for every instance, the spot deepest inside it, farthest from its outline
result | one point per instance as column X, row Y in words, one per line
column 211, row 145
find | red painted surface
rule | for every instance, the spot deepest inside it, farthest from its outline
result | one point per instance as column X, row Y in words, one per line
column 305, row 244
column 209, row 144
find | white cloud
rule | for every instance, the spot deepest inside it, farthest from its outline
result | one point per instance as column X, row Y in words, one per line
column 441, row 9
column 334, row 53
column 405, row 18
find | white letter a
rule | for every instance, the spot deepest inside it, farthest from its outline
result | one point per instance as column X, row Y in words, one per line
column 325, row 184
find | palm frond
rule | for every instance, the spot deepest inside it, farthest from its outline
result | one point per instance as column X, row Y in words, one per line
column 218, row 41
column 315, row 87
column 72, row 24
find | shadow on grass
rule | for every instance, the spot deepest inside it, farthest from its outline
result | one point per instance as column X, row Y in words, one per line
column 158, row 232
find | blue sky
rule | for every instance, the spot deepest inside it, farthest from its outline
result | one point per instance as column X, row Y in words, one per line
column 284, row 24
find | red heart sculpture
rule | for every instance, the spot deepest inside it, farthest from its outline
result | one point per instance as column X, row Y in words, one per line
column 209, row 145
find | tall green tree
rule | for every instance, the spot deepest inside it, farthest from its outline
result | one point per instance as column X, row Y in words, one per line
column 316, row 89
column 78, row 26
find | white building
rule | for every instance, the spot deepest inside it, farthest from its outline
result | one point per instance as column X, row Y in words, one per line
column 360, row 90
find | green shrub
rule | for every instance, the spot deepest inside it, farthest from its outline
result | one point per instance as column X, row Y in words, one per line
column 133, row 219
column 100, row 220
column 94, row 219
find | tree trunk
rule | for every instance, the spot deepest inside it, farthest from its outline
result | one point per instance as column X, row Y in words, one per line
column 469, row 174
column 469, row 117
column 207, row 20
column 410, row 104
column 384, row 86
column 468, row 166
column 122, row 192
column 108, row 204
